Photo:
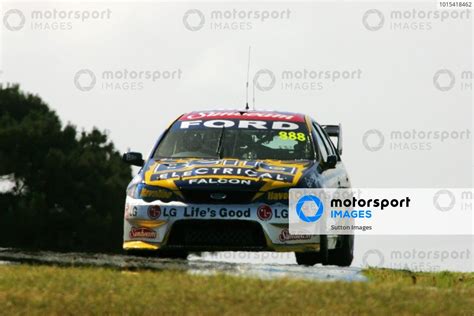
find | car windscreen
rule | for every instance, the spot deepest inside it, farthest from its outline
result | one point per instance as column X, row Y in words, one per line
column 238, row 139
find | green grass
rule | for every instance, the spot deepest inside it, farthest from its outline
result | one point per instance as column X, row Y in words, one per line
column 53, row 290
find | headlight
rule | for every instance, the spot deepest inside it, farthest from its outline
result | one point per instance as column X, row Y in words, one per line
column 133, row 186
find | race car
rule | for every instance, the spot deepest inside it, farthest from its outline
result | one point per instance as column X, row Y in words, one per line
column 219, row 181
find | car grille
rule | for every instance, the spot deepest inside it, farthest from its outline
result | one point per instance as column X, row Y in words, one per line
column 205, row 196
column 215, row 235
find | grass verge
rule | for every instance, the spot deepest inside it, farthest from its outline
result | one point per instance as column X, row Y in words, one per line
column 50, row 290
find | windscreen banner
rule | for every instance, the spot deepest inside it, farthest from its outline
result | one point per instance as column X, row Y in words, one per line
column 397, row 211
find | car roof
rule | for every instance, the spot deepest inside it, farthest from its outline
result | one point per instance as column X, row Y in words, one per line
column 239, row 114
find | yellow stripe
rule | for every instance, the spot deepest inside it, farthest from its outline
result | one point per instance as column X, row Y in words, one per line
column 147, row 223
column 129, row 245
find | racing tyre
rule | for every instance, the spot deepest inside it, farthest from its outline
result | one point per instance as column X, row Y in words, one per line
column 312, row 258
column 342, row 256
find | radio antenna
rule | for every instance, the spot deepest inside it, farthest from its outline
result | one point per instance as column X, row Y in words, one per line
column 247, row 87
column 253, row 94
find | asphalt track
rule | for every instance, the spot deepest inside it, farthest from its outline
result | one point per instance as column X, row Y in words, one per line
column 259, row 265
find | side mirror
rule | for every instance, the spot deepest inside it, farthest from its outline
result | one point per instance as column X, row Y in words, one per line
column 133, row 158
column 335, row 131
column 331, row 161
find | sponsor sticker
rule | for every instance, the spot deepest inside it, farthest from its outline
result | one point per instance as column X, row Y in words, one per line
column 277, row 196
column 127, row 209
column 154, row 211
column 285, row 236
column 275, row 125
column 130, row 211
column 219, row 181
column 155, row 193
column 225, row 163
column 264, row 212
column 219, row 171
column 165, row 211
column 267, row 116
column 222, row 212
column 142, row 232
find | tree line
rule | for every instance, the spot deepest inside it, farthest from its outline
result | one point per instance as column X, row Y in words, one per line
column 63, row 189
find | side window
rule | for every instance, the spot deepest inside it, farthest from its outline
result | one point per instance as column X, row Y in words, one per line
column 331, row 143
column 320, row 143
column 326, row 141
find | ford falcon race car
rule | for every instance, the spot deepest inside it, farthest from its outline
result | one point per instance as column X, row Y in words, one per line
column 219, row 181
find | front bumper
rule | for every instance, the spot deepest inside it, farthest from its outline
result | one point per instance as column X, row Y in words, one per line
column 212, row 227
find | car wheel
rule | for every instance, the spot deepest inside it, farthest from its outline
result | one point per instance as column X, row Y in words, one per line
column 312, row 258
column 343, row 255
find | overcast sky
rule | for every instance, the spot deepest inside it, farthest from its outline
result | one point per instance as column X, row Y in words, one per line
column 380, row 69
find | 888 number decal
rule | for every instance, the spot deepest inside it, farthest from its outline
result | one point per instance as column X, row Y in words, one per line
column 301, row 137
